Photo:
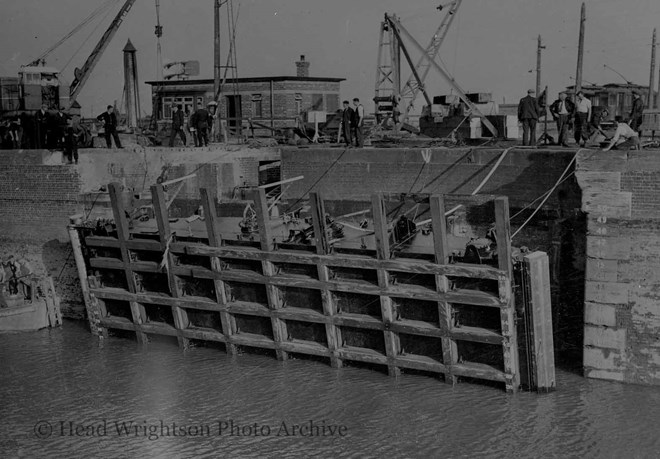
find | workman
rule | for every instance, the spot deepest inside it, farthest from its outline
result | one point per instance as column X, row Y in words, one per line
column 625, row 138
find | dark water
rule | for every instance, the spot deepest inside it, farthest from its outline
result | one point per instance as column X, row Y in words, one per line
column 58, row 377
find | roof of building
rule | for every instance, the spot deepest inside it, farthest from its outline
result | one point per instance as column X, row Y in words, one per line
column 595, row 87
column 244, row 80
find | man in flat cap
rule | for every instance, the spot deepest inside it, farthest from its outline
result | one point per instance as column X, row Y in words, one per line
column 528, row 114
column 636, row 111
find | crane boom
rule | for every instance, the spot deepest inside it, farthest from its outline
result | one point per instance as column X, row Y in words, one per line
column 81, row 75
column 400, row 30
column 415, row 83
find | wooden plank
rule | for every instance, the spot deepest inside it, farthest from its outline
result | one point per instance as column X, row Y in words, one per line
column 320, row 227
column 440, row 248
column 267, row 245
column 538, row 272
column 332, row 332
column 164, row 234
column 205, row 335
column 306, row 347
column 139, row 317
column 344, row 261
column 363, row 355
column 123, row 234
column 380, row 228
column 417, row 327
column 420, row 362
column 359, row 321
column 510, row 341
column 477, row 335
column 210, row 218
column 392, row 340
column 479, row 371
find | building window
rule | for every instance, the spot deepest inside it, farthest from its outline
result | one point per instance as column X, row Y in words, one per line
column 331, row 103
column 200, row 102
column 167, row 107
column 298, row 103
column 257, row 111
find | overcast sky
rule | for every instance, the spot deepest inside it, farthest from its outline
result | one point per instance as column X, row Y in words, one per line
column 490, row 48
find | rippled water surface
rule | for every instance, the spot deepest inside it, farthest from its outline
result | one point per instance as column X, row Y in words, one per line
column 53, row 382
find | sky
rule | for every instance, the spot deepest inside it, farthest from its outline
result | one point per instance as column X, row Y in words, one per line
column 491, row 46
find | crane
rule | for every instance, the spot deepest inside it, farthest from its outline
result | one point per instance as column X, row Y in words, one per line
column 415, row 82
column 82, row 74
column 399, row 31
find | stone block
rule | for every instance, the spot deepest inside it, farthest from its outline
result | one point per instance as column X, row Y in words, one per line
column 604, row 337
column 602, row 270
column 606, row 292
column 601, row 359
column 608, row 248
column 598, row 181
column 607, row 203
column 603, row 374
column 600, row 314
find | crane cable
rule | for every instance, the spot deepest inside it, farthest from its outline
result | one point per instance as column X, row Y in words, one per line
column 76, row 29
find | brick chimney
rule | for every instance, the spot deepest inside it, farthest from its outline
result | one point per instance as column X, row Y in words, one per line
column 302, row 67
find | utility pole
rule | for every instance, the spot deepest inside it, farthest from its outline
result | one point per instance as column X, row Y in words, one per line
column 651, row 100
column 539, row 47
column 578, row 73
column 216, row 64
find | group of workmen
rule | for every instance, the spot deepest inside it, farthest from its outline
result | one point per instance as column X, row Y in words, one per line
column 352, row 122
column 44, row 129
column 584, row 119
column 198, row 124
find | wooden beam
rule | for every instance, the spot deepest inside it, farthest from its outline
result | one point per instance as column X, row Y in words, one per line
column 441, row 250
column 215, row 240
column 392, row 341
column 164, row 234
column 137, row 312
column 272, row 292
column 537, row 269
column 332, row 332
column 510, row 342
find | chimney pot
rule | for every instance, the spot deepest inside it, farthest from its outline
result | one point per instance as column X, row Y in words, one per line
column 302, row 67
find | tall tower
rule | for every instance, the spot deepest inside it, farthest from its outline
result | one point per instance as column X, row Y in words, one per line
column 131, row 86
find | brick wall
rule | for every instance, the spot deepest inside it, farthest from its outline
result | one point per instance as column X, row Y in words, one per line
column 622, row 288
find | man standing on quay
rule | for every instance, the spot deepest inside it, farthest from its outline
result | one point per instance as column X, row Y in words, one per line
column 177, row 126
column 562, row 109
column 358, row 121
column 582, row 117
column 110, row 126
column 528, row 114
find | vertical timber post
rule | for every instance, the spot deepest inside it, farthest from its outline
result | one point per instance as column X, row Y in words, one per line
column 537, row 269
column 76, row 247
column 267, row 245
column 323, row 248
column 392, row 342
column 137, row 310
column 507, row 310
column 165, row 235
column 439, row 225
column 215, row 240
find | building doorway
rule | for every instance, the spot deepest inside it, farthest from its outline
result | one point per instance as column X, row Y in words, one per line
column 234, row 115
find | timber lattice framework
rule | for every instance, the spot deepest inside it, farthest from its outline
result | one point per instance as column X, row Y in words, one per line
column 249, row 304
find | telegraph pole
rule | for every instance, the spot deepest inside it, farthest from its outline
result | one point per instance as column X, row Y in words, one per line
column 578, row 73
column 216, row 66
column 651, row 100
column 539, row 47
